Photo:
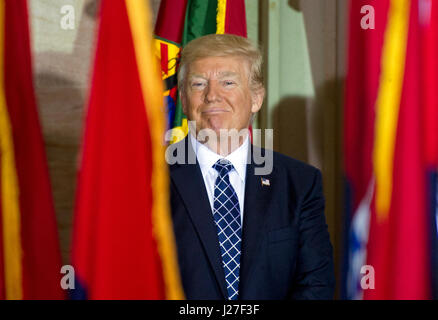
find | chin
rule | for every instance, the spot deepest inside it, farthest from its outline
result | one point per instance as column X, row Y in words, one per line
column 216, row 125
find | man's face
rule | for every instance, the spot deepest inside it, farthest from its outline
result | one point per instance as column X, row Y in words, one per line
column 217, row 94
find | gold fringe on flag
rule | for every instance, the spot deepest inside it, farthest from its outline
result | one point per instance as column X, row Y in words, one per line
column 221, row 13
column 152, row 88
column 9, row 188
column 388, row 102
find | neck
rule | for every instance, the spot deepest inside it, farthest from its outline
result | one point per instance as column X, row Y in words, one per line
column 224, row 145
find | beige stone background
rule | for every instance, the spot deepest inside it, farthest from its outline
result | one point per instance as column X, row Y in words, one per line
column 303, row 103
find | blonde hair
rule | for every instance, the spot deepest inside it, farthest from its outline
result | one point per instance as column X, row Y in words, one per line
column 222, row 45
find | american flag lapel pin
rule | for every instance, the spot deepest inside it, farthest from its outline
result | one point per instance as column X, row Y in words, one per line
column 265, row 182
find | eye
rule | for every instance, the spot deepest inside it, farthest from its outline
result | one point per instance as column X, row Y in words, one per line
column 198, row 84
column 228, row 83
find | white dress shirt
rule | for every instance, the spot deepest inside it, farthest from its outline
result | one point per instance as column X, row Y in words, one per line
column 207, row 158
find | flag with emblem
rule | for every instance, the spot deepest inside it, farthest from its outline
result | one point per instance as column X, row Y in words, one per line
column 179, row 22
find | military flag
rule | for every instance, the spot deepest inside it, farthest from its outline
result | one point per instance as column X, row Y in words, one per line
column 179, row 22
column 391, row 142
column 123, row 243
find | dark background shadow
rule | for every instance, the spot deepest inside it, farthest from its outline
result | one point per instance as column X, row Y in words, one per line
column 293, row 130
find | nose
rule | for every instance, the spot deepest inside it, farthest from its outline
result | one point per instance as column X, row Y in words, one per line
column 213, row 93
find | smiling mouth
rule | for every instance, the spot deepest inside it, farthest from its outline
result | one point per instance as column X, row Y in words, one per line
column 213, row 111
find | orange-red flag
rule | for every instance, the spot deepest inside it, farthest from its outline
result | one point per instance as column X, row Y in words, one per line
column 390, row 150
column 123, row 244
column 30, row 260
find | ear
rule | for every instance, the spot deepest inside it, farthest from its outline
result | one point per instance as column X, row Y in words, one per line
column 257, row 100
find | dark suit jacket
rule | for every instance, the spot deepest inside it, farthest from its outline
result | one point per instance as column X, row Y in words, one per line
column 286, row 251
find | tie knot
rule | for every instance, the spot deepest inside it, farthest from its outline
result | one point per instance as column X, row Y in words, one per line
column 223, row 166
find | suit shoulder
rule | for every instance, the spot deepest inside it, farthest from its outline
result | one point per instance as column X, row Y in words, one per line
column 294, row 165
column 304, row 178
column 300, row 174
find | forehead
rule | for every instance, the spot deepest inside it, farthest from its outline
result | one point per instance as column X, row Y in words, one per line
column 218, row 66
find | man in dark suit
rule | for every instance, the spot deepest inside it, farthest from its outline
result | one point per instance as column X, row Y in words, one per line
column 241, row 234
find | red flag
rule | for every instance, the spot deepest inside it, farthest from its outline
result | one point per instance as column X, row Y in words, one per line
column 391, row 221
column 123, row 246
column 30, row 260
column 235, row 19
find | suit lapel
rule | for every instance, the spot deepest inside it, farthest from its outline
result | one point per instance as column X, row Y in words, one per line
column 256, row 211
column 190, row 184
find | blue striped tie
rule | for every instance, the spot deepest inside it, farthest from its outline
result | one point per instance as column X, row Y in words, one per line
column 226, row 213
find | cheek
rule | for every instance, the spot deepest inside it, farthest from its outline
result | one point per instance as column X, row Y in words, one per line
column 193, row 103
column 244, row 104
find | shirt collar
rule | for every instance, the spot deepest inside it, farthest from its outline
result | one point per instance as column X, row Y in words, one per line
column 207, row 158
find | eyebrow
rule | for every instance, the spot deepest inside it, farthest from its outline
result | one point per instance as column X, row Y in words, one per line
column 221, row 75
column 229, row 74
column 191, row 76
